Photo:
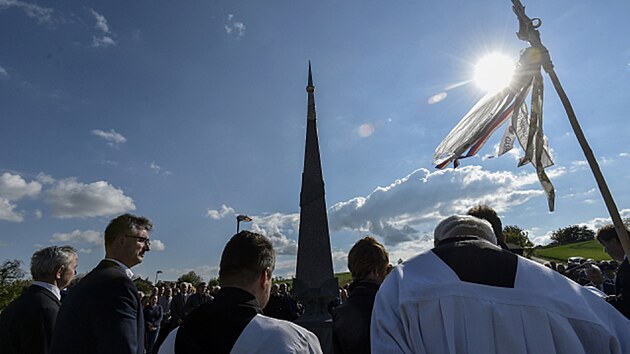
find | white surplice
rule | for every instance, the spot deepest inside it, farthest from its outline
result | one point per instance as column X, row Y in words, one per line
column 264, row 335
column 423, row 307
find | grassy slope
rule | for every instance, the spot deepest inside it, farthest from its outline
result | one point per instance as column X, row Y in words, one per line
column 586, row 249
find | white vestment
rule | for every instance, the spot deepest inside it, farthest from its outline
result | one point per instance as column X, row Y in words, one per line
column 264, row 335
column 423, row 307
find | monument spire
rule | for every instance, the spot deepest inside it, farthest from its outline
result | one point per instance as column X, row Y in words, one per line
column 315, row 285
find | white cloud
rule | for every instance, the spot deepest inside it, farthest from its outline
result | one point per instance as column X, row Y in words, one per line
column 70, row 198
column 103, row 42
column 623, row 154
column 101, row 22
column 106, row 38
column 236, row 28
column 157, row 168
column 157, row 245
column 8, row 213
column 396, row 212
column 408, row 209
column 77, row 236
column 281, row 229
column 38, row 214
column 597, row 223
column 220, row 214
column 41, row 14
column 44, row 178
column 14, row 187
column 112, row 137
column 3, row 73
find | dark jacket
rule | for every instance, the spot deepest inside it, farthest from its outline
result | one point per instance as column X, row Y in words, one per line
column 215, row 326
column 351, row 320
column 195, row 300
column 621, row 301
column 26, row 324
column 102, row 314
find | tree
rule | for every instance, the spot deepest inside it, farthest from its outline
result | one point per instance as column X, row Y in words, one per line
column 516, row 235
column 190, row 277
column 572, row 234
column 11, row 282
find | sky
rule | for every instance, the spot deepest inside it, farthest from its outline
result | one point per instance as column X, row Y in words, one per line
column 192, row 112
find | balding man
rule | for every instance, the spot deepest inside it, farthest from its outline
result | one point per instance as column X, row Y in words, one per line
column 234, row 322
column 27, row 324
column 467, row 295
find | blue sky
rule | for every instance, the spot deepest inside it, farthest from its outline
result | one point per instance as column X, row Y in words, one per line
column 193, row 112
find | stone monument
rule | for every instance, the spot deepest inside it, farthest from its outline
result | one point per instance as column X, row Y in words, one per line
column 315, row 284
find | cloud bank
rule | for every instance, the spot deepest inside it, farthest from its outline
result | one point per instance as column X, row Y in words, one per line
column 220, row 214
column 12, row 189
column 70, row 198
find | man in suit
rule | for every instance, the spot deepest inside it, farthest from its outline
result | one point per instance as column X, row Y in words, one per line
column 197, row 298
column 103, row 313
column 178, row 306
column 26, row 324
column 608, row 237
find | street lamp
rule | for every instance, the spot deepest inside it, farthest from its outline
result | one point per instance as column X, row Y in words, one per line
column 240, row 218
column 156, row 276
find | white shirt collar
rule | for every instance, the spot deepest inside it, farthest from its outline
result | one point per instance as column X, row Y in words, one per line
column 53, row 289
column 127, row 270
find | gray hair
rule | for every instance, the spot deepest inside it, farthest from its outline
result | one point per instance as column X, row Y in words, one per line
column 45, row 262
column 464, row 225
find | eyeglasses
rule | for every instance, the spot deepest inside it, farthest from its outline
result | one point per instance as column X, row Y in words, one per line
column 144, row 240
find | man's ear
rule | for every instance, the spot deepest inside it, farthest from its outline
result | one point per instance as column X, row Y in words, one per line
column 264, row 277
column 59, row 271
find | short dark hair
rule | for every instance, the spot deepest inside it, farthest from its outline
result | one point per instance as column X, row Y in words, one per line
column 485, row 212
column 125, row 223
column 367, row 255
column 245, row 256
column 607, row 233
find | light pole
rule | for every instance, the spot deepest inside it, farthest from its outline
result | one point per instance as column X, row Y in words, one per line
column 156, row 276
column 240, row 218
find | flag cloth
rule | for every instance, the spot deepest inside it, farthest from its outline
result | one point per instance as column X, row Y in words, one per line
column 243, row 218
column 493, row 110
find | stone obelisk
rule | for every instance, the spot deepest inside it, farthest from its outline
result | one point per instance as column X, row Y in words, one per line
column 315, row 284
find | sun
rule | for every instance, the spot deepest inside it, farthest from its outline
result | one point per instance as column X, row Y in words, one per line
column 494, row 72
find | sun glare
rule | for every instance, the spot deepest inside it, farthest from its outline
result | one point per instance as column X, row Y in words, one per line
column 494, row 72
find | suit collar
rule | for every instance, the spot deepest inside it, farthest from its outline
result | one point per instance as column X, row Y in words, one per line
column 51, row 288
column 120, row 264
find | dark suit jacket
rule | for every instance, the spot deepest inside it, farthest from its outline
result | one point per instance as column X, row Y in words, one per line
column 178, row 309
column 351, row 320
column 622, row 289
column 26, row 324
column 195, row 300
column 102, row 314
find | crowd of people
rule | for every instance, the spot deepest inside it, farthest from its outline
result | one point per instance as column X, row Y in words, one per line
column 468, row 294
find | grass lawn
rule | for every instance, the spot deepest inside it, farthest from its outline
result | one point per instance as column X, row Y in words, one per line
column 342, row 278
column 586, row 249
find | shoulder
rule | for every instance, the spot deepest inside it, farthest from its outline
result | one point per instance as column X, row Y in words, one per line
column 285, row 336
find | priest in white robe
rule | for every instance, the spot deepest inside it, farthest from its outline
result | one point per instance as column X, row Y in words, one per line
column 468, row 296
column 233, row 322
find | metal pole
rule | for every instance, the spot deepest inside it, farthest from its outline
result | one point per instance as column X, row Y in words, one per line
column 528, row 32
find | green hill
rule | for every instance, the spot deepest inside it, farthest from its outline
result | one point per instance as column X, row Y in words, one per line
column 587, row 249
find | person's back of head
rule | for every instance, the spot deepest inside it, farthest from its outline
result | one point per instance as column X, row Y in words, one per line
column 55, row 265
column 247, row 262
column 608, row 237
column 485, row 212
column 368, row 259
column 463, row 226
